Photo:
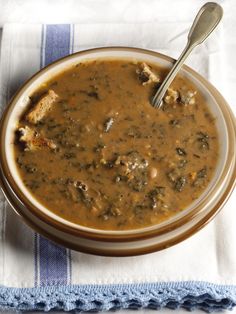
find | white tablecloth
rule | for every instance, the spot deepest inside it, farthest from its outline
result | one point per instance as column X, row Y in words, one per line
column 132, row 11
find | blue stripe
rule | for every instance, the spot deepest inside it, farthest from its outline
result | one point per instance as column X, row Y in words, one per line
column 57, row 42
column 53, row 265
column 36, row 236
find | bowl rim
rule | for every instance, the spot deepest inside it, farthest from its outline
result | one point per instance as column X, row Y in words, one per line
column 7, row 180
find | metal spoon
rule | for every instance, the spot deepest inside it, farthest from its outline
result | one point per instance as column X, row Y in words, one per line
column 205, row 22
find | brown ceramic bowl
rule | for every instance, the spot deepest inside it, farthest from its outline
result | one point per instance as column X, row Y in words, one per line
column 119, row 243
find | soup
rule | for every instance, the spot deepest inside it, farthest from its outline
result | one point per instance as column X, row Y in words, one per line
column 92, row 149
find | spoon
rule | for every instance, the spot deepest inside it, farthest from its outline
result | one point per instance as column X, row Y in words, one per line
column 205, row 22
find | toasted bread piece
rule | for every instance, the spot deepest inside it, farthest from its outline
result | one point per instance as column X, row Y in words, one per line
column 33, row 140
column 188, row 97
column 171, row 96
column 42, row 107
column 146, row 76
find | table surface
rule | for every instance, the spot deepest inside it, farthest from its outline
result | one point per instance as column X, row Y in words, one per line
column 87, row 11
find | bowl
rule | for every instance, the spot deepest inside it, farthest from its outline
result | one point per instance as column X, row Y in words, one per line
column 130, row 242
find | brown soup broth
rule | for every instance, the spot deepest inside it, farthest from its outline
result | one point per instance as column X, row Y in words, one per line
column 101, row 156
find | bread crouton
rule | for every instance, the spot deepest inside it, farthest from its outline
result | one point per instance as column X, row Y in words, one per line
column 188, row 97
column 171, row 96
column 42, row 107
column 33, row 140
column 145, row 75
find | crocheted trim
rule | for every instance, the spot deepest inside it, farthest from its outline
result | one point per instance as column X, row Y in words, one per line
column 189, row 295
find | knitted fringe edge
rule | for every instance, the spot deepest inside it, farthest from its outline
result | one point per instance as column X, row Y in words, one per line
column 188, row 295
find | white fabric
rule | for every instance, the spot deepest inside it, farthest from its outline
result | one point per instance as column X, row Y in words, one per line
column 209, row 255
column 110, row 11
column 92, row 11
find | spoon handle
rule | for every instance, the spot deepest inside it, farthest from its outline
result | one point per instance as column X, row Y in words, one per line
column 205, row 22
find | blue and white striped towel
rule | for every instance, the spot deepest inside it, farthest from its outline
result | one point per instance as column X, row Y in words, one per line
column 36, row 274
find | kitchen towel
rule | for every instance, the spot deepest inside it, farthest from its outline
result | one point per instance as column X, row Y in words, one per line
column 36, row 274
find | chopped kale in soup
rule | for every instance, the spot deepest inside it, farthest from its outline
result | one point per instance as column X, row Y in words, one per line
column 94, row 151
